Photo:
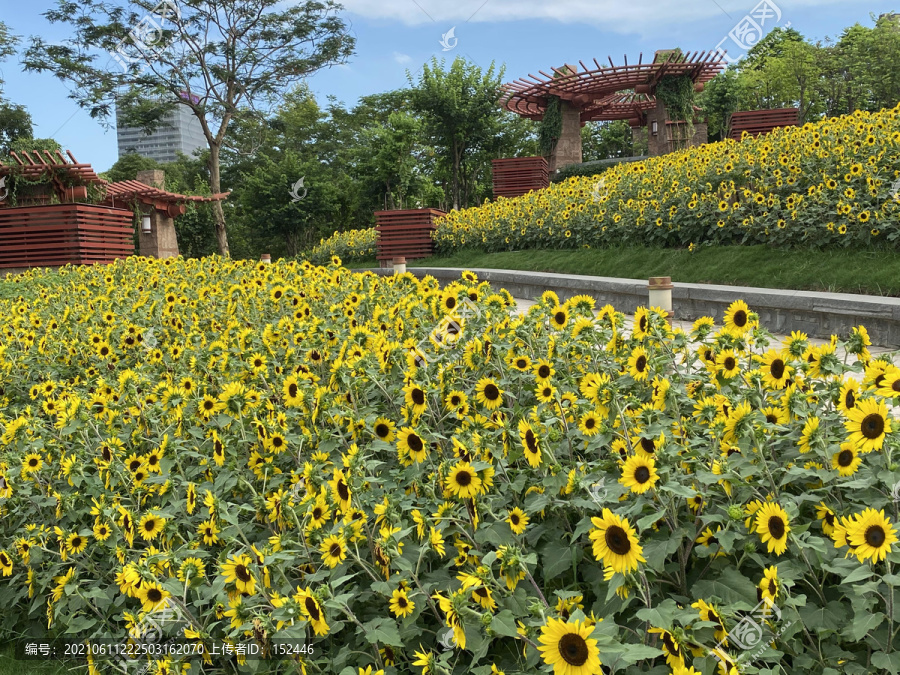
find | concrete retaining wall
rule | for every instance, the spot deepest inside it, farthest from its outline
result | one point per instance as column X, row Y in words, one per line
column 817, row 314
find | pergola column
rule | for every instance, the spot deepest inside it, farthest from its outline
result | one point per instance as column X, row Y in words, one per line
column 568, row 147
column 162, row 241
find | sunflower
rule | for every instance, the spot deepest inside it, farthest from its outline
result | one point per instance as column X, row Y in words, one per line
column 31, row 463
column 567, row 647
column 209, row 532
column 711, row 614
column 809, row 435
column 589, row 424
column 559, row 317
column 827, row 516
column 637, row 364
column 400, row 603
column 191, row 570
column 776, row 373
column 639, row 474
column 520, row 362
column 768, row 585
column 410, row 444
column 868, row 424
column 237, row 571
column 641, row 323
column 846, row 461
column 615, row 542
column 871, row 534
column 531, row 444
column 488, row 394
column 6, row 564
column 313, row 611
column 518, row 520
column 543, row 371
column 737, row 318
column 728, row 364
column 75, row 543
column 848, row 396
column 458, row 403
column 333, row 550
column 463, row 481
column 415, row 399
column 674, row 653
column 772, row 526
column 150, row 526
column 152, row 595
column 319, row 513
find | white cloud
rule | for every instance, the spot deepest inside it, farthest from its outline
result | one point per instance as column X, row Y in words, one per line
column 637, row 16
column 402, row 59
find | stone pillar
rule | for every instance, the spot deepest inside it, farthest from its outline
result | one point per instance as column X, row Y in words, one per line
column 568, row 147
column 162, row 241
column 658, row 143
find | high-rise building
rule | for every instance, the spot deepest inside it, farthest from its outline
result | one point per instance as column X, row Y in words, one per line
column 180, row 132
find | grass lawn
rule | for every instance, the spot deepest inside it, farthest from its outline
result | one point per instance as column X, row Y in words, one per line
column 10, row 666
column 869, row 272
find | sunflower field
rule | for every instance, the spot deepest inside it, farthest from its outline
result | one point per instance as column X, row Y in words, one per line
column 349, row 246
column 410, row 479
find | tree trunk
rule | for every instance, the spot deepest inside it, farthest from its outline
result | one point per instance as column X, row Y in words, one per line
column 455, row 151
column 215, row 184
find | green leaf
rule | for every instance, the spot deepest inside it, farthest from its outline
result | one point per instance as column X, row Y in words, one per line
column 384, row 631
column 859, row 574
column 504, row 624
column 556, row 560
column 862, row 625
column 731, row 586
column 888, row 662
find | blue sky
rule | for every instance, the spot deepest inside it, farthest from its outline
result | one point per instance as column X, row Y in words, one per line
column 394, row 36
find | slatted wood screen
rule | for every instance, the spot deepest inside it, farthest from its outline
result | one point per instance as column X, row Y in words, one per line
column 756, row 122
column 514, row 177
column 405, row 232
column 58, row 234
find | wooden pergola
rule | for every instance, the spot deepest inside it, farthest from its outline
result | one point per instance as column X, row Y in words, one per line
column 600, row 92
column 50, row 221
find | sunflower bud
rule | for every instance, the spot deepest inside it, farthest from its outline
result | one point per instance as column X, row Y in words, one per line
column 735, row 512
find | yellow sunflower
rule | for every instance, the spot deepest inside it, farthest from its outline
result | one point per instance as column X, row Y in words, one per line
column 518, row 520
column 333, row 550
column 463, row 481
column 639, row 473
column 531, row 444
column 488, row 394
column 871, row 535
column 772, row 526
column 400, row 603
column 410, row 444
column 846, row 461
column 737, row 318
column 776, row 373
column 638, row 366
column 559, row 317
column 568, row 648
column 615, row 542
column 868, row 425
column 237, row 571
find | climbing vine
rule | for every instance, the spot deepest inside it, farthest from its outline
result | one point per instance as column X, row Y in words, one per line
column 551, row 125
column 677, row 93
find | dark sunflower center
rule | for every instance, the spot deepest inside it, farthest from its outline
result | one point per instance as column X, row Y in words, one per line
column 560, row 317
column 776, row 527
column 312, row 607
column 106, row 454
column 463, row 478
column 544, row 372
column 152, row 460
column 573, row 649
column 771, row 418
column 829, row 518
column 648, row 445
column 521, row 363
column 642, row 474
column 154, row 595
column 845, row 458
column 382, row 430
column 415, row 443
column 292, row 390
column 777, row 369
column 729, row 363
column 76, row 542
column 643, row 323
column 32, row 462
column 455, row 401
column 343, row 491
column 590, row 423
column 150, row 525
column 491, row 392
column 317, row 513
column 242, row 573
column 641, row 363
column 514, row 519
column 875, row 536
column 531, row 441
column 418, row 396
column 872, row 426
column 401, row 602
column 740, row 318
column 773, row 587
column 617, row 540
column 335, row 550
column 450, row 303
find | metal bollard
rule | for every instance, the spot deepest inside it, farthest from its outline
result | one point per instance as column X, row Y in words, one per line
column 660, row 294
column 265, row 258
column 399, row 265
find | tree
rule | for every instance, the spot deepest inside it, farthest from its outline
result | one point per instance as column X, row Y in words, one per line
column 127, row 167
column 605, row 140
column 15, row 123
column 8, row 43
column 720, row 98
column 772, row 45
column 461, row 115
column 226, row 60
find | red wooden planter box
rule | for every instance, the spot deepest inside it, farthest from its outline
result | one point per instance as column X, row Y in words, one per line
column 515, row 176
column 405, row 232
column 58, row 234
